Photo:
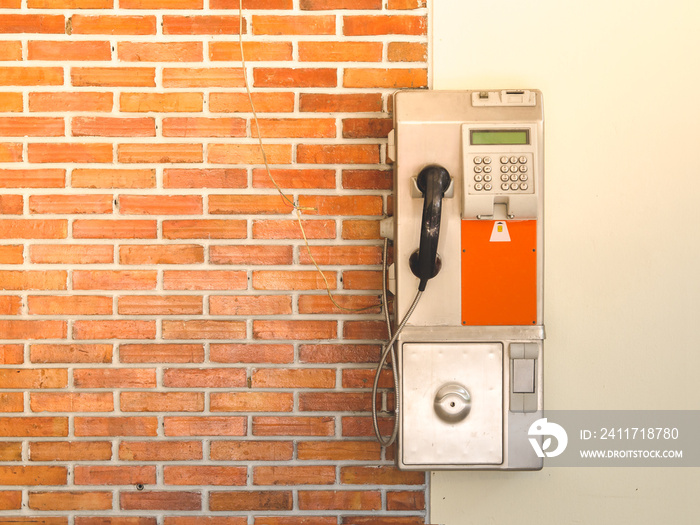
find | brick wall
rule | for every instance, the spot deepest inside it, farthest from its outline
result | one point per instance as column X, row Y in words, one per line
column 168, row 355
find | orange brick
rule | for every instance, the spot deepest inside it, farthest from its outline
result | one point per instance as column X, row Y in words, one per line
column 33, row 329
column 114, row 475
column 11, row 451
column 289, row 229
column 251, row 255
column 114, row 279
column 71, row 402
column 251, row 4
column 70, row 4
column 113, row 127
column 248, row 204
column 204, row 426
column 69, row 152
column 251, row 353
column 405, row 500
column 11, row 102
column 340, row 51
column 113, row 76
column 161, row 353
column 249, row 154
column 71, row 253
column 204, row 229
column 161, row 102
column 115, row 426
column 339, row 450
column 349, row 255
column 12, row 402
column 293, row 25
column 384, row 25
column 159, row 153
column 204, row 377
column 250, row 305
column 363, row 378
column 160, row 450
column 70, row 353
column 282, row 475
column 294, row 178
column 342, row 205
column 338, row 153
column 204, row 280
column 292, row 280
column 360, row 102
column 239, row 102
column 203, row 77
column 205, row 178
column 11, row 152
column 160, row 500
column 113, row 25
column 339, row 500
column 33, row 229
column 251, row 402
column 70, row 451
column 114, row 229
column 295, row 128
column 111, row 178
column 161, row 4
column 293, row 377
column 407, row 52
column 69, row 204
column 114, row 520
column 160, row 205
column 253, row 51
column 11, row 354
column 203, row 475
column 114, row 378
column 362, row 280
column 364, row 330
column 31, row 76
column 335, row 402
column 11, row 23
column 10, row 304
column 33, row 280
column 251, row 450
column 12, row 254
column 32, row 127
column 33, row 475
column 160, row 51
column 11, row 50
column 161, row 254
column 293, row 426
column 11, row 204
column 361, row 128
column 368, row 179
column 55, row 102
column 201, row 25
column 10, row 500
column 349, row 304
column 61, row 50
column 161, row 401
column 380, row 475
column 160, row 305
column 204, row 127
column 297, row 77
column 406, row 4
column 323, row 5
column 69, row 305
column 33, row 178
column 361, row 230
column 204, row 329
column 117, row 329
column 30, row 427
column 385, row 78
column 251, row 500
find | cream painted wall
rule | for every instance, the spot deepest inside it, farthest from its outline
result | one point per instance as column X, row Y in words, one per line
column 621, row 83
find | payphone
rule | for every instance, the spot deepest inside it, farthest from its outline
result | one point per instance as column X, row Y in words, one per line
column 468, row 241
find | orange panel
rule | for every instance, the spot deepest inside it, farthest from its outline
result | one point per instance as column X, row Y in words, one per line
column 499, row 276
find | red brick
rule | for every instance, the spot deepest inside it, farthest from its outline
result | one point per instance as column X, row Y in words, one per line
column 33, row 378
column 298, row 330
column 12, row 254
column 69, row 152
column 204, row 280
column 361, row 25
column 204, row 377
column 69, row 305
column 114, row 520
column 251, row 450
column 380, row 475
column 385, row 520
column 250, row 305
column 161, row 102
column 295, row 128
column 71, row 253
column 323, row 5
column 293, row 378
column 289, row 229
column 252, row 402
column 10, row 304
column 339, row 450
column 251, row 4
column 338, row 153
column 113, row 25
column 267, row 500
column 33, row 229
column 239, row 102
column 205, row 178
column 159, row 153
column 71, row 402
column 360, row 128
column 160, row 305
column 161, row 4
column 385, row 78
column 341, row 304
column 160, row 500
column 349, row 255
column 345, row 102
column 204, row 475
column 70, row 500
column 205, row 426
column 204, row 520
column 113, row 76
column 340, row 51
column 31, row 76
column 251, row 255
column 405, row 500
column 253, row 51
column 11, row 102
column 201, row 25
column 248, row 204
column 294, row 178
column 76, row 50
column 22, row 329
column 363, row 378
column 114, row 475
column 406, row 4
column 114, row 229
column 293, row 426
column 160, row 450
column 161, row 353
column 205, row 229
column 203, row 77
column 251, row 353
column 293, row 25
column 294, row 78
column 70, row 451
column 204, row 329
column 33, row 475
column 292, row 280
column 361, row 230
column 368, row 179
column 407, row 52
column 341, row 205
column 114, row 378
column 70, row 353
column 335, row 402
column 283, row 475
column 11, row 50
column 161, row 401
column 11, row 451
column 161, row 254
column 54, row 102
column 160, row 204
column 70, row 204
column 33, row 279
column 160, row 51
column 114, row 279
column 11, row 402
column 10, row 500
column 11, row 152
column 70, row 4
column 113, row 127
column 354, row 426
column 116, row 329
column 249, row 154
column 339, row 500
column 30, row 427
column 11, row 354
column 111, row 178
column 115, row 426
column 23, row 23
column 32, row 127
column 203, row 127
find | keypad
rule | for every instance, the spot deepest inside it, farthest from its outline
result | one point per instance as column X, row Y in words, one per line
column 514, row 173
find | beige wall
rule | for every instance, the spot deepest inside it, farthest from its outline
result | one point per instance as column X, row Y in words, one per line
column 622, row 113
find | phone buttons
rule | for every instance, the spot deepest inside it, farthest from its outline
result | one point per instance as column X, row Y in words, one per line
column 514, row 160
column 478, row 178
column 505, row 186
column 487, row 160
column 523, row 186
column 477, row 160
column 478, row 186
column 478, row 169
column 487, row 186
column 523, row 159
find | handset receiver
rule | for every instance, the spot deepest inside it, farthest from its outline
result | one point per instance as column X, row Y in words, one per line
column 432, row 181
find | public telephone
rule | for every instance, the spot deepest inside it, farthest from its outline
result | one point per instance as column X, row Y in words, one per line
column 468, row 242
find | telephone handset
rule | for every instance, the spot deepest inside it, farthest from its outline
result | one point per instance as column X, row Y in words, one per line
column 433, row 181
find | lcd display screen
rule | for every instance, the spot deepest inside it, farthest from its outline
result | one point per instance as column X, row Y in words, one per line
column 499, row 136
